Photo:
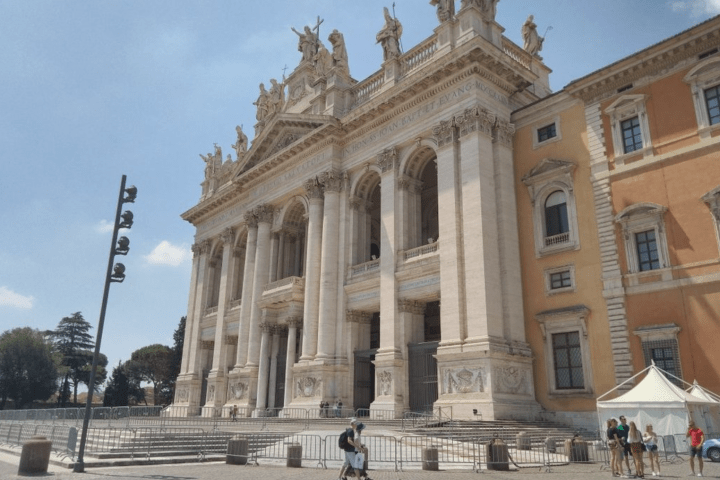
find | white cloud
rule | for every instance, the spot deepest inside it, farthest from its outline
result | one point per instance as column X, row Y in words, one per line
column 696, row 7
column 169, row 254
column 104, row 227
column 12, row 299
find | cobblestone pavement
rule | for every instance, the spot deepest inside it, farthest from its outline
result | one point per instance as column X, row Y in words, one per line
column 222, row 471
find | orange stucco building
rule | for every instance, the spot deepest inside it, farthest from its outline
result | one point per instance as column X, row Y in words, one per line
column 618, row 194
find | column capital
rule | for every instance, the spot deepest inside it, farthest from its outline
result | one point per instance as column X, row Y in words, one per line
column 445, row 133
column 228, row 236
column 355, row 202
column 387, row 159
column 207, row 345
column 332, row 180
column 314, row 189
column 250, row 219
column 267, row 327
column 504, row 132
column 264, row 213
column 411, row 306
column 294, row 322
column 475, row 119
column 230, row 340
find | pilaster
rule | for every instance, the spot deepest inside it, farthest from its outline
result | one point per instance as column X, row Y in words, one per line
column 247, row 291
column 293, row 324
column 263, row 369
column 311, row 306
column 264, row 215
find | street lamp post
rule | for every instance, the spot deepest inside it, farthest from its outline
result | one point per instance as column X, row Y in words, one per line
column 114, row 273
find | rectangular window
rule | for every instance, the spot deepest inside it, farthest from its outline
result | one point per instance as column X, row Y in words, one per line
column 666, row 356
column 546, row 133
column 712, row 100
column 560, row 280
column 631, row 134
column 568, row 361
column 648, row 258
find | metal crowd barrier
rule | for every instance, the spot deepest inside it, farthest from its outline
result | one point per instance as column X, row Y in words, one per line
column 63, row 438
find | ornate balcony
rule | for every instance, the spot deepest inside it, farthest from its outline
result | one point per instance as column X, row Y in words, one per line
column 422, row 251
column 290, row 289
column 557, row 239
column 365, row 268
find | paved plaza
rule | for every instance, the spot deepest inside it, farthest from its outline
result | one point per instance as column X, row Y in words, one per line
column 221, row 471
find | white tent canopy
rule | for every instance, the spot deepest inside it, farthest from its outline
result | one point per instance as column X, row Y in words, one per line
column 657, row 401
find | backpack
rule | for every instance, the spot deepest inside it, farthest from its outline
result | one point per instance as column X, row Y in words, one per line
column 343, row 440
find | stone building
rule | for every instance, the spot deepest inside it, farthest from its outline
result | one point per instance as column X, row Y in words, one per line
column 367, row 245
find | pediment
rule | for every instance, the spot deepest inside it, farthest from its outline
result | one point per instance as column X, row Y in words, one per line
column 282, row 132
column 640, row 209
column 546, row 168
column 625, row 101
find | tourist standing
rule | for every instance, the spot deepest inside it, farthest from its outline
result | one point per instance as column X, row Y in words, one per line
column 697, row 438
column 233, row 412
column 614, row 446
column 338, row 408
column 348, row 444
column 623, row 430
column 636, row 444
column 650, row 439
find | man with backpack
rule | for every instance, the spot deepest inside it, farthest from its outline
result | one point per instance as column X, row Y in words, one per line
column 347, row 443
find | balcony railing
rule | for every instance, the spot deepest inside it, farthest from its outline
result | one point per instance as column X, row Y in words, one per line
column 419, row 55
column 558, row 239
column 420, row 251
column 285, row 282
column 211, row 310
column 364, row 268
column 516, row 53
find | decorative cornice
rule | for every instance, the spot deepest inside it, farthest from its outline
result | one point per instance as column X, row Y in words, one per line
column 387, row 159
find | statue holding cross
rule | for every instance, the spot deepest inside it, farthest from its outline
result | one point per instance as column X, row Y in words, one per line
column 308, row 41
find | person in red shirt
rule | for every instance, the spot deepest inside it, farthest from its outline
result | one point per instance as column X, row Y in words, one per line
column 697, row 438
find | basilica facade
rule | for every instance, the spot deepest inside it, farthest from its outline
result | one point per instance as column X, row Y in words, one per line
column 439, row 236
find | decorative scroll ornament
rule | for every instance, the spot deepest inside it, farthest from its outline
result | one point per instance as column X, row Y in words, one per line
column 308, row 387
column 463, row 380
column 387, row 159
column 238, row 390
column 444, row 133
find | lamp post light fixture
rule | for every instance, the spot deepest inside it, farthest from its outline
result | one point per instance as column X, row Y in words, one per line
column 115, row 274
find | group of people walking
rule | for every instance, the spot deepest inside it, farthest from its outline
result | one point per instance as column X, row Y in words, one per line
column 626, row 440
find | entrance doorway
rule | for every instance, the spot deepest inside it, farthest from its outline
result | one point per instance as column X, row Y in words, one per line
column 364, row 379
column 423, row 376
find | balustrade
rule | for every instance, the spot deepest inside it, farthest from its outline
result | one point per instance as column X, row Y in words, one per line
column 557, row 239
column 285, row 282
column 366, row 267
column 516, row 53
column 418, row 56
column 420, row 251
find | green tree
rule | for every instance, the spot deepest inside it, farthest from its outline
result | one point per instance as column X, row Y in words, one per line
column 176, row 362
column 75, row 346
column 121, row 389
column 27, row 370
column 152, row 364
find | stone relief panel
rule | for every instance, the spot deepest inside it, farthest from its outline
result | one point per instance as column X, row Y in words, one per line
column 182, row 395
column 512, row 380
column 211, row 393
column 238, row 390
column 308, row 387
column 385, row 382
column 463, row 380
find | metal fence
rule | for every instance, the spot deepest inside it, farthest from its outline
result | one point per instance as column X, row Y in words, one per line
column 63, row 438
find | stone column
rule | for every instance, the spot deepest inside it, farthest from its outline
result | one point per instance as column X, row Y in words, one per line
column 263, row 371
column 452, row 286
column 402, row 218
column 217, row 373
column 513, row 313
column 298, row 253
column 274, row 254
column 483, row 276
column 342, row 262
column 190, row 319
column 264, row 214
column 274, row 350
column 355, row 240
column 280, row 267
column 293, row 324
column 247, row 292
column 312, row 270
column 408, row 310
column 328, row 266
column 200, row 298
column 389, row 366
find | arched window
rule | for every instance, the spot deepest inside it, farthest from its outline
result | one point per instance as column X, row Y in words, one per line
column 556, row 215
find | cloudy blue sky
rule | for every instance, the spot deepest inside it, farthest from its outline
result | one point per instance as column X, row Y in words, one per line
column 91, row 90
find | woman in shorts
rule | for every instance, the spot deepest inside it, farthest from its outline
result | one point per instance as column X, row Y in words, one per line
column 650, row 439
column 636, row 443
column 614, row 445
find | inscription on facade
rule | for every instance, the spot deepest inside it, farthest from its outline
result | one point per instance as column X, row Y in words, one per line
column 291, row 174
column 423, row 111
column 419, row 283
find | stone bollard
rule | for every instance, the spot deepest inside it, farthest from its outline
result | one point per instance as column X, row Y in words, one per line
column 430, row 458
column 576, row 450
column 551, row 444
column 35, row 456
column 523, row 441
column 294, row 455
column 497, row 455
column 237, row 451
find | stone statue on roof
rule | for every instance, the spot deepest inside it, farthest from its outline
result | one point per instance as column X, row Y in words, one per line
column 263, row 104
column 532, row 41
column 323, row 61
column 276, row 100
column 445, row 9
column 241, row 144
column 389, row 36
column 339, row 53
column 307, row 44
